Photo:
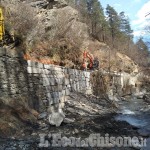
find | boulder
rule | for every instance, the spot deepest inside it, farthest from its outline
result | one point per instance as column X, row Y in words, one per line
column 56, row 118
column 40, row 4
column 56, row 115
column 129, row 82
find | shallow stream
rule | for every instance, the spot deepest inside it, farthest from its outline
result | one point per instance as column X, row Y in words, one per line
column 137, row 113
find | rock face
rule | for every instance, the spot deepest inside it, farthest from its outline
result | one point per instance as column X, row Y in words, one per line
column 55, row 19
column 59, row 21
column 127, row 64
column 47, row 4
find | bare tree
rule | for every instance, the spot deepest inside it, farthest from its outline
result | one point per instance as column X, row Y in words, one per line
column 20, row 19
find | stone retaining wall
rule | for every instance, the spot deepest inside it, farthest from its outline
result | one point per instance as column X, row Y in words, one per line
column 13, row 74
column 45, row 86
column 57, row 82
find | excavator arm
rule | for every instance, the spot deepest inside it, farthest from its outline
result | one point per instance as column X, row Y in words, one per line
column 91, row 60
column 90, row 57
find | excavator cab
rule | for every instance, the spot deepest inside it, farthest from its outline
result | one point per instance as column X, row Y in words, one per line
column 2, row 30
column 89, row 62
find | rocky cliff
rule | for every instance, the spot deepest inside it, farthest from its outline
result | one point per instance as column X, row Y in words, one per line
column 54, row 18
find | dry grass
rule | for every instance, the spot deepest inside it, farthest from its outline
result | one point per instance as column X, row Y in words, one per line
column 54, row 51
column 20, row 20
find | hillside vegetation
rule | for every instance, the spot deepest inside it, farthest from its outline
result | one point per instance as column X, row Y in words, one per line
column 58, row 31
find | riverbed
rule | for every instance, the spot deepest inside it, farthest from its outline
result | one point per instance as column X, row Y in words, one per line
column 89, row 115
column 137, row 113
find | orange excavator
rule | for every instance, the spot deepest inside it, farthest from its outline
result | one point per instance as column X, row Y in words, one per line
column 85, row 64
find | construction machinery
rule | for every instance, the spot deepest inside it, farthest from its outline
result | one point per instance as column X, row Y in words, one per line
column 89, row 62
column 87, row 57
column 2, row 30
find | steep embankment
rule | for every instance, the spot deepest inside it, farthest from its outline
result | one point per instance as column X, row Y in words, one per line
column 56, row 35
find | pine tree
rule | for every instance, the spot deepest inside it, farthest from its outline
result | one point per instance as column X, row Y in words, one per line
column 82, row 7
column 114, row 22
column 125, row 24
column 142, row 45
column 97, row 18
column 126, row 31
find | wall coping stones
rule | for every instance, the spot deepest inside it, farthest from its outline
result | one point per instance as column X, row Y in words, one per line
column 35, row 64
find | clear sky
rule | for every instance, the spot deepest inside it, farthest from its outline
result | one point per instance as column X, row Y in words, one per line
column 136, row 10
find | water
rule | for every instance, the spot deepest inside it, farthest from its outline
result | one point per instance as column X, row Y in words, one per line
column 139, row 121
column 137, row 113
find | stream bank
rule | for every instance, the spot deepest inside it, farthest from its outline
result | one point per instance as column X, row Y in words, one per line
column 85, row 115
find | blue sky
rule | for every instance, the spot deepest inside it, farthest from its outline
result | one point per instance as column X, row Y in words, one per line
column 135, row 10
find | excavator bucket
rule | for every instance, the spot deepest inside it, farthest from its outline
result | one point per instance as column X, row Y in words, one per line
column 2, row 30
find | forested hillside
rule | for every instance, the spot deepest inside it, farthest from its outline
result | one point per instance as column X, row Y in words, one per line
column 57, row 33
column 113, row 28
